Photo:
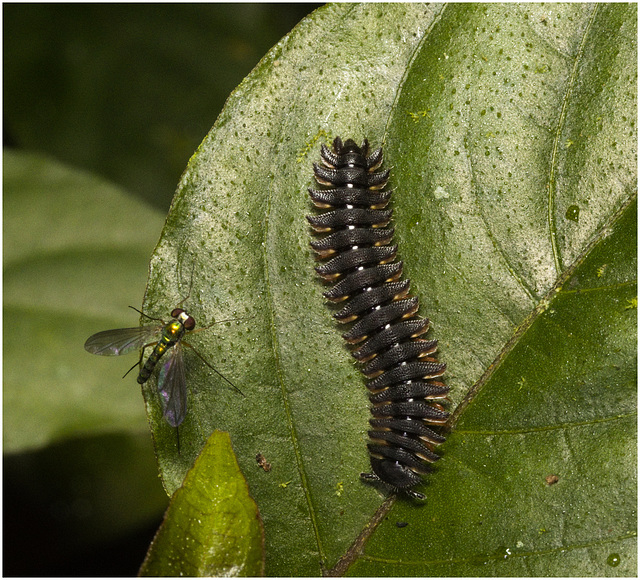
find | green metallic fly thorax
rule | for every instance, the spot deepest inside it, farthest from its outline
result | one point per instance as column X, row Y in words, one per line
column 171, row 334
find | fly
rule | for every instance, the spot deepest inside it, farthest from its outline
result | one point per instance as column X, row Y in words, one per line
column 164, row 337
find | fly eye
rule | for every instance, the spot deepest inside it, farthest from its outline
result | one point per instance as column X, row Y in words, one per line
column 176, row 312
column 189, row 323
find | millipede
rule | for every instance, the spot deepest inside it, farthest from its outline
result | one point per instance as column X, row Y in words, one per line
column 403, row 374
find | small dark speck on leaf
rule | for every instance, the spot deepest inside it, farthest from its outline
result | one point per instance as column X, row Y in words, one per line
column 262, row 462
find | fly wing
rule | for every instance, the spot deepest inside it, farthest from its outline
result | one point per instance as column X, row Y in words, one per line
column 172, row 386
column 121, row 340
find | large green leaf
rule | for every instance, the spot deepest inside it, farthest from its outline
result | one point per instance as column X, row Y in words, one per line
column 511, row 133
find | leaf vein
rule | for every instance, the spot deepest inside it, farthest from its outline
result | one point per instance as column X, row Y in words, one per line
column 280, row 377
column 551, row 183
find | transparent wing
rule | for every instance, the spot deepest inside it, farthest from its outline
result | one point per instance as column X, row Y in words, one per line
column 172, row 386
column 121, row 340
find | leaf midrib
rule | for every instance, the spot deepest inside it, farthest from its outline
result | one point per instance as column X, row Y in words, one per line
column 533, row 316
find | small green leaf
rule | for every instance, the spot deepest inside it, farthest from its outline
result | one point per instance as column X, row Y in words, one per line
column 212, row 526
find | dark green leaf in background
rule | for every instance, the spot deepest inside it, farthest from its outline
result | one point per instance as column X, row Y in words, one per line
column 74, row 256
column 511, row 133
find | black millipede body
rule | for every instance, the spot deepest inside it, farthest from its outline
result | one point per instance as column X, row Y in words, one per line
column 404, row 376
